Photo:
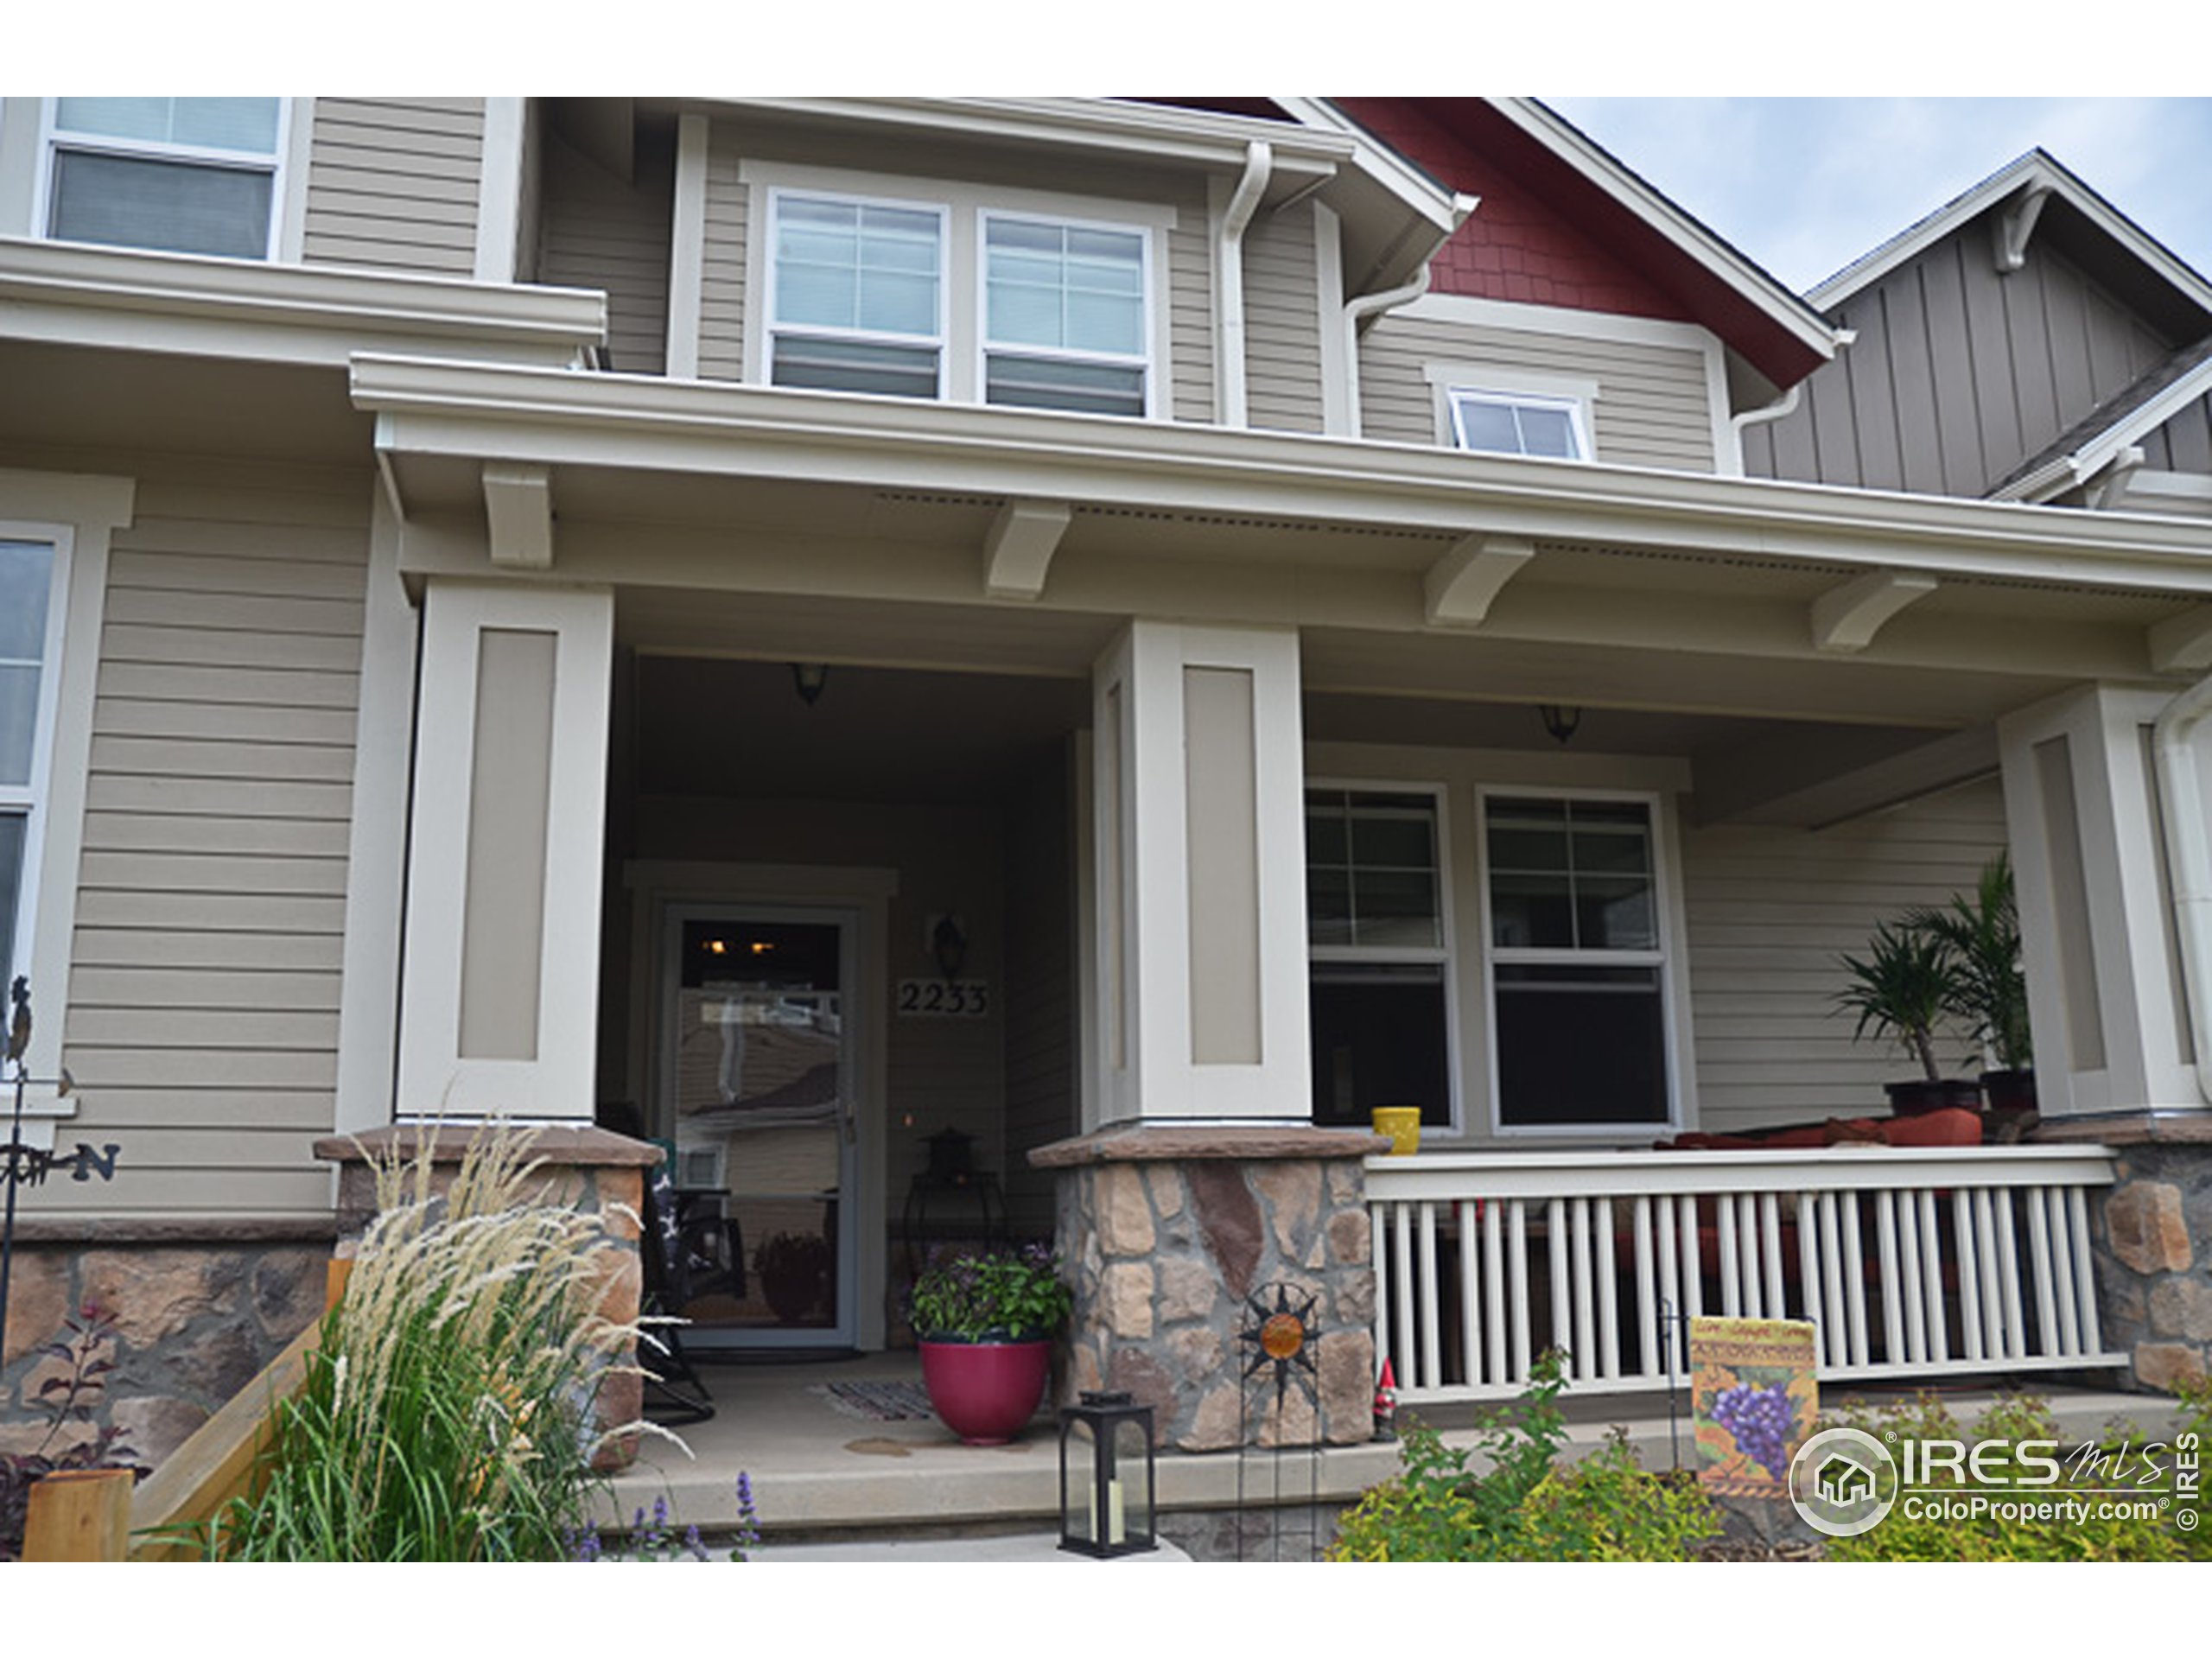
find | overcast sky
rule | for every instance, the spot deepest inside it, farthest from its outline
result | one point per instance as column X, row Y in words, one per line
column 1803, row 186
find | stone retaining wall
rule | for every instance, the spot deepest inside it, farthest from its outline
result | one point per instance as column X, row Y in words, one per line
column 1171, row 1234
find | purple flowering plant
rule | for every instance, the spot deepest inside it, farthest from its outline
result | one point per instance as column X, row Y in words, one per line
column 1006, row 1296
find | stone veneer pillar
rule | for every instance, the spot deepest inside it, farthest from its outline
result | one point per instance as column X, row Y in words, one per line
column 1169, row 1230
column 591, row 1169
column 2152, row 1236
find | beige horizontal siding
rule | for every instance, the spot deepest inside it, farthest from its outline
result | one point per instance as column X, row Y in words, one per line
column 1654, row 405
column 722, row 274
column 202, row 1021
column 1190, row 314
column 1768, row 912
column 393, row 184
column 600, row 231
column 1282, row 324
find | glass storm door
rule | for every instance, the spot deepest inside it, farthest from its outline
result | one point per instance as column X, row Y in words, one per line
column 758, row 1099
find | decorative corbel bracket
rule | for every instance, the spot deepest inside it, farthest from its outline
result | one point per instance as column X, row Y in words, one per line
column 2015, row 223
column 1019, row 547
column 518, row 507
column 1846, row 618
column 1461, row 587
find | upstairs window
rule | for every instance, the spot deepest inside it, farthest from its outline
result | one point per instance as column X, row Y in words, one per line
column 1518, row 424
column 27, row 644
column 858, row 301
column 1064, row 317
column 181, row 174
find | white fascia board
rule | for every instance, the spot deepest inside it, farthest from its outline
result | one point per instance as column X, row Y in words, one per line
column 1432, row 201
column 1159, row 132
column 2072, row 468
column 2035, row 170
column 433, row 407
column 1771, row 298
column 74, row 294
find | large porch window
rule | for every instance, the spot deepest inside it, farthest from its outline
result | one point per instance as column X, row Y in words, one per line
column 1380, row 952
column 1577, row 963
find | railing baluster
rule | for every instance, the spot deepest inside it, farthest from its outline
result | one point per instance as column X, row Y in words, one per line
column 1854, row 1278
column 1747, row 1240
column 2047, row 1342
column 1770, row 1224
column 1556, row 1258
column 1647, row 1300
column 1379, row 1255
column 1962, row 1229
column 1831, row 1282
column 1471, row 1329
column 1992, row 1295
column 1432, row 1346
column 1520, row 1293
column 1932, row 1269
column 1809, row 1274
column 1885, row 1246
column 1692, row 1260
column 1670, row 1287
column 2085, row 1279
column 1731, row 1295
column 1586, row 1333
column 1401, row 1265
column 2061, row 1268
column 2008, row 1255
column 1494, row 1287
column 1915, row 1308
column 1609, row 1309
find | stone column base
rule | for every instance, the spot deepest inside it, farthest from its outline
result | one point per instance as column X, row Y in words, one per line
column 1171, row 1233
column 2152, row 1235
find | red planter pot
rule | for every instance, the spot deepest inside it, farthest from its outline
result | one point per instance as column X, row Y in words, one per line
column 985, row 1392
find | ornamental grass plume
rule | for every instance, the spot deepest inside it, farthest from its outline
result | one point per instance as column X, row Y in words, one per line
column 447, row 1413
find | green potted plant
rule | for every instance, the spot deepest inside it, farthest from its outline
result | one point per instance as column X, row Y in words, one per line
column 985, row 1325
column 794, row 1270
column 1989, row 991
column 1900, row 989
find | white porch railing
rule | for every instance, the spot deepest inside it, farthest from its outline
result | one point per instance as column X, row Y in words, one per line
column 1912, row 1264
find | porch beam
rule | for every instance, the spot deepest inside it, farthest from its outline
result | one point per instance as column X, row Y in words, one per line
column 1784, row 780
column 1018, row 548
column 1460, row 588
column 518, row 508
column 2182, row 643
column 1848, row 618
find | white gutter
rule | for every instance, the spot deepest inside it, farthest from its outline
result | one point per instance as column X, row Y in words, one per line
column 1229, row 281
column 1361, row 310
column 2189, row 858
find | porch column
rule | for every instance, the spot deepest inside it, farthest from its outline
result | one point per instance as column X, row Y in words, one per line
column 1200, row 853
column 2105, row 988
column 498, row 1001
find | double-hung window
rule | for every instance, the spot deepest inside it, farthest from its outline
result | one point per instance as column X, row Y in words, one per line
column 1064, row 323
column 28, row 629
column 181, row 174
column 1518, row 424
column 858, row 298
column 1378, row 952
column 1577, row 962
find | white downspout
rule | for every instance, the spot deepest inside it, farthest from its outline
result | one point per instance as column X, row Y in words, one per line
column 1357, row 313
column 1228, row 279
column 2189, row 856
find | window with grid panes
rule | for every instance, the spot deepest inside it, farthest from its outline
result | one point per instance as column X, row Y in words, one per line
column 858, row 303
column 181, row 174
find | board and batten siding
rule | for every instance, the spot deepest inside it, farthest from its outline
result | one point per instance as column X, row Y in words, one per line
column 2183, row 444
column 1282, row 324
column 202, row 1020
column 604, row 231
column 1769, row 910
column 1959, row 374
column 722, row 268
column 393, row 184
column 1654, row 405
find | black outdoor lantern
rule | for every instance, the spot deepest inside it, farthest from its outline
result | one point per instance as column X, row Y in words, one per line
column 1106, row 1477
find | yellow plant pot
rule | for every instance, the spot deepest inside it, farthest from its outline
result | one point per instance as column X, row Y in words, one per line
column 1402, row 1125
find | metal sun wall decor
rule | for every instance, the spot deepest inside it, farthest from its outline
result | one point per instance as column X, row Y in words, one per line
column 1279, row 1451
column 24, row 1166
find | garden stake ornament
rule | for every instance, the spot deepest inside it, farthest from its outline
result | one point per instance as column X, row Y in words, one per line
column 21, row 1165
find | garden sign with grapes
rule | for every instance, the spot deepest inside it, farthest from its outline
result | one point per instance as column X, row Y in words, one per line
column 1753, row 1401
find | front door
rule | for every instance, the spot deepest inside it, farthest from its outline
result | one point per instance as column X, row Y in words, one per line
column 758, row 1099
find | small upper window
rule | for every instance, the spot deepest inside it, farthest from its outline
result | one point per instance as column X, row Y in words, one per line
column 183, row 174
column 859, row 302
column 1518, row 424
column 1064, row 317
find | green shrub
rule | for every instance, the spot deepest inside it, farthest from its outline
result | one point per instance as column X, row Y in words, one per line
column 447, row 1415
column 1525, row 1507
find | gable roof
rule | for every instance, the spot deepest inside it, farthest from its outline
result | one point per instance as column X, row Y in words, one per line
column 1708, row 280
column 2083, row 450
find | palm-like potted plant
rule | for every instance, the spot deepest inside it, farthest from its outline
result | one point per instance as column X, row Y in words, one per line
column 985, row 1325
column 1989, row 991
column 1901, row 989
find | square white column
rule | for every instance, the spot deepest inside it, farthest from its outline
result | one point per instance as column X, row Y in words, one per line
column 499, row 999
column 1200, row 853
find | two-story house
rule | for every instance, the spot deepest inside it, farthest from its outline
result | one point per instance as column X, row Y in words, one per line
column 1131, row 630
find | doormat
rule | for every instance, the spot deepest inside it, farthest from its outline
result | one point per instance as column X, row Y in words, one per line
column 877, row 1402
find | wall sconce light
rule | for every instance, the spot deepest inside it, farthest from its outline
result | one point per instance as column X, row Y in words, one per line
column 808, row 678
column 1561, row 722
column 948, row 944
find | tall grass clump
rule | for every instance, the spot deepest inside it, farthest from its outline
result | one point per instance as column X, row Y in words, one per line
column 447, row 1415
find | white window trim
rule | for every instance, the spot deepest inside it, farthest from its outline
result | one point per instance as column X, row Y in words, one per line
column 1446, row 953
column 940, row 341
column 960, row 381
column 282, row 165
column 1497, row 383
column 1669, row 958
column 1148, row 265
column 76, row 514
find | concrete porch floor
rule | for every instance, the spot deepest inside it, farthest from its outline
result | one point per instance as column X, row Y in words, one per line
column 820, row 1476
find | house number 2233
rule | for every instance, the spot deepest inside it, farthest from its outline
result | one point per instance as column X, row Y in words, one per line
column 956, row 999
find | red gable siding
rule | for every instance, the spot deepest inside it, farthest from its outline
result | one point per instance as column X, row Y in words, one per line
column 1524, row 242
